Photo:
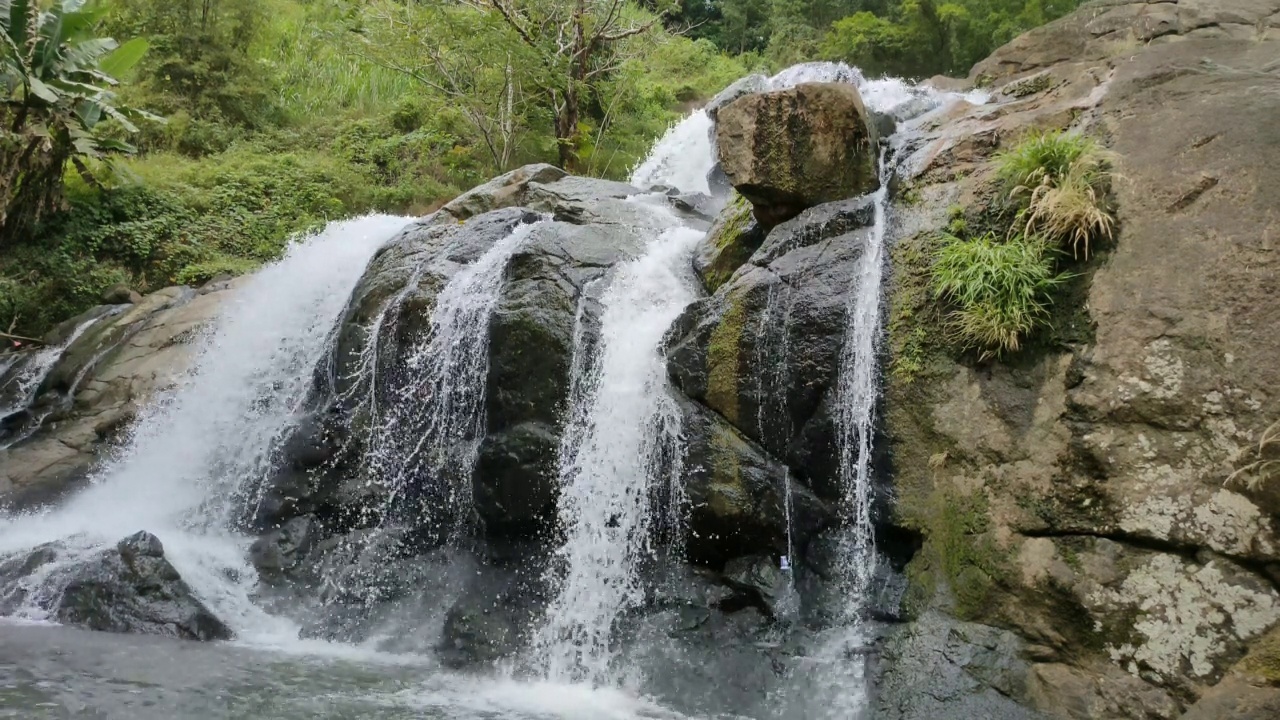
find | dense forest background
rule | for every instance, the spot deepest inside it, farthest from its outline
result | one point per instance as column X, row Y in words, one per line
column 283, row 114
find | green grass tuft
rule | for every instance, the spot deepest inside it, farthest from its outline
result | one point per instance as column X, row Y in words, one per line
column 1000, row 288
column 1061, row 180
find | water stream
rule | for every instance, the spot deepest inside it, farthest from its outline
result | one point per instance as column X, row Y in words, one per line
column 611, row 464
column 199, row 453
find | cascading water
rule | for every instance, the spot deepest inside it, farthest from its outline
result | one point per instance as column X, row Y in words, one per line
column 682, row 158
column 22, row 379
column 611, row 460
column 190, row 454
column 431, row 427
column 857, row 390
column 771, row 356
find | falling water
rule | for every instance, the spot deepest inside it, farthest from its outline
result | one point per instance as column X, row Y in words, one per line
column 194, row 449
column 434, row 422
column 857, row 390
column 681, row 159
column 611, row 458
column 23, row 377
column 772, row 350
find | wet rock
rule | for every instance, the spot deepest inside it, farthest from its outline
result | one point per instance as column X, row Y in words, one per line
column 130, row 588
column 515, row 489
column 694, row 206
column 733, row 238
column 121, row 294
column 939, row 667
column 788, row 150
column 737, row 495
column 706, row 662
column 764, row 350
column 761, row 577
column 491, row 618
column 505, row 191
column 581, row 228
column 280, row 551
column 738, row 88
column 122, row 355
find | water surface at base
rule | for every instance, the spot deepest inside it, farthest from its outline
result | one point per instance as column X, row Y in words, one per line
column 49, row 672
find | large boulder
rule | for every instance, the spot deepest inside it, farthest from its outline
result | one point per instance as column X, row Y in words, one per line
column 339, row 460
column 738, row 495
column 788, row 150
column 732, row 239
column 128, row 588
column 763, row 352
column 106, row 364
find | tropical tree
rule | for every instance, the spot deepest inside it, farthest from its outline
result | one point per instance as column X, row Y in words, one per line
column 57, row 79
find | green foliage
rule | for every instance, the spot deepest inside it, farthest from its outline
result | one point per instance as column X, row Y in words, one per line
column 199, row 71
column 1061, row 181
column 1041, row 156
column 1001, row 289
column 57, row 76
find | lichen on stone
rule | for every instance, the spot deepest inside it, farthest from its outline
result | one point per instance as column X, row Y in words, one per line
column 1187, row 616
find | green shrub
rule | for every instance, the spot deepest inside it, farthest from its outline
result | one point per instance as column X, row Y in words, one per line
column 1000, row 289
column 1040, row 155
column 1060, row 183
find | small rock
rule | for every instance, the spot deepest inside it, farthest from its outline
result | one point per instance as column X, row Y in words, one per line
column 140, row 544
column 121, row 294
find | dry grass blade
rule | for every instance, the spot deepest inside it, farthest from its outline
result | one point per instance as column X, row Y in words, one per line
column 1255, row 473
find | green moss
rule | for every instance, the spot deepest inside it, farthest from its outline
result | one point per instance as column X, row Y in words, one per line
column 723, row 354
column 915, row 344
column 959, row 553
column 735, row 240
column 728, row 497
column 1263, row 660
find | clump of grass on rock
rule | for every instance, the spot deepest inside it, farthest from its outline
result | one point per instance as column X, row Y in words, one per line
column 1001, row 288
column 1061, row 181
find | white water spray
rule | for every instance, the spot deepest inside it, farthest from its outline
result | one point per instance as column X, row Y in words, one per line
column 194, row 450
column 681, row 159
column 433, row 426
column 611, row 459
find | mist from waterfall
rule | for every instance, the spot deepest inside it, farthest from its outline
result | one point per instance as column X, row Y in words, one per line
column 193, row 448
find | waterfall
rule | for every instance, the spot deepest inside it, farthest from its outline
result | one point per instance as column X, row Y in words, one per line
column 772, row 350
column 681, row 159
column 857, row 390
column 435, row 419
column 193, row 450
column 611, row 460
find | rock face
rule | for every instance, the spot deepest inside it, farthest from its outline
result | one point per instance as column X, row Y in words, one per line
column 1099, row 496
column 130, row 588
column 119, row 357
column 763, row 351
column 788, row 150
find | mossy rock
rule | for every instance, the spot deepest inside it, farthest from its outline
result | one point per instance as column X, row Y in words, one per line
column 959, row 554
column 729, row 243
column 1263, row 661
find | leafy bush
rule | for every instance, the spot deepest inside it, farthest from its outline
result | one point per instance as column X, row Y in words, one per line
column 1061, row 181
column 1000, row 289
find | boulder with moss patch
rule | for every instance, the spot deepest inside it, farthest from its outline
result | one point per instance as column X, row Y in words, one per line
column 788, row 150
